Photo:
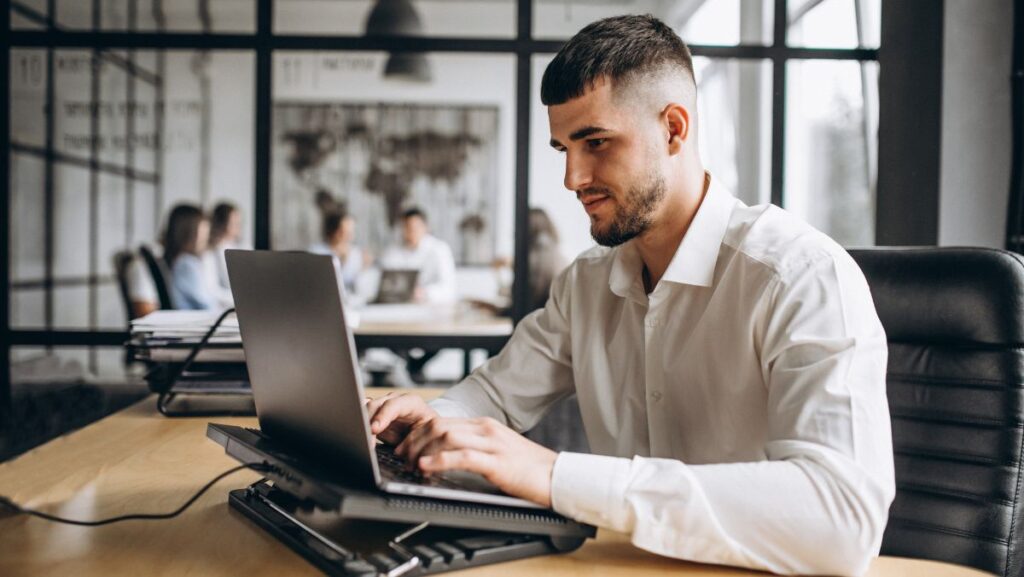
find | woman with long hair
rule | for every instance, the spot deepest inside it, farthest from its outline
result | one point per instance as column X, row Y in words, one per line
column 185, row 239
column 225, row 233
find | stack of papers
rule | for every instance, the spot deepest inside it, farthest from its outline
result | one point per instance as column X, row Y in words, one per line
column 186, row 326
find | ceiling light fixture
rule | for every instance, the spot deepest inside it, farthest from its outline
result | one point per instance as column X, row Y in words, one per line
column 399, row 18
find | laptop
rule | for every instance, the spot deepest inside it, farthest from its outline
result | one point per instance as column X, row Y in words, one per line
column 306, row 383
column 396, row 286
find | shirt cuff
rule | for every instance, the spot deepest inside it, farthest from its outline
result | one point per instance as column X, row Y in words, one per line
column 592, row 489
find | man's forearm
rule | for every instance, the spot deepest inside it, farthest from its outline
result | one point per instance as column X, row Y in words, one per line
column 791, row 517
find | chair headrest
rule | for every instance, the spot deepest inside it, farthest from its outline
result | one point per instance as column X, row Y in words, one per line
column 970, row 296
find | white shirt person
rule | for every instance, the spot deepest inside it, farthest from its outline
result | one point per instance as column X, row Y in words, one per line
column 746, row 390
column 729, row 363
column 431, row 256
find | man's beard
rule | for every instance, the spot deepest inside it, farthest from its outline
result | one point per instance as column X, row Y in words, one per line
column 632, row 219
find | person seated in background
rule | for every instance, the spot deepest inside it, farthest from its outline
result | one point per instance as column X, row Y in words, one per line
column 225, row 233
column 431, row 256
column 435, row 283
column 185, row 239
column 545, row 258
column 545, row 261
column 337, row 232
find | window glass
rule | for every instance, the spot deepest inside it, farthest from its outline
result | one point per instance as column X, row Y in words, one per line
column 831, row 147
column 345, row 129
column 203, row 16
column 734, row 102
column 707, row 22
column 464, row 18
column 29, row 14
column 834, row 23
column 134, row 132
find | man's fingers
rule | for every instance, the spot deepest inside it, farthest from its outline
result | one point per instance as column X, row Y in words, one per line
column 460, row 459
column 393, row 408
column 444, row 434
column 454, row 440
column 390, row 437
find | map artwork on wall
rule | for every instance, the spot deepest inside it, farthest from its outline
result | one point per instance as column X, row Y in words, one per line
column 379, row 159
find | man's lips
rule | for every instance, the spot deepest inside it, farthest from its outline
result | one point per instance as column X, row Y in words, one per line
column 593, row 203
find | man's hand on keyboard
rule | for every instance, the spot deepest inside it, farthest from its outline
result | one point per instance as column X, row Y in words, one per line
column 392, row 415
column 514, row 463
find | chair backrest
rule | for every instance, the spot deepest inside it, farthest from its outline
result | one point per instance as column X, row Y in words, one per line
column 161, row 276
column 954, row 318
column 122, row 260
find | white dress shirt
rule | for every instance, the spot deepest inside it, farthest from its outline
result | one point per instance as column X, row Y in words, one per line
column 140, row 281
column 212, row 260
column 737, row 413
column 433, row 258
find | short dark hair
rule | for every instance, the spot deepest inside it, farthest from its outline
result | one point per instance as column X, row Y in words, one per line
column 414, row 211
column 621, row 49
column 331, row 222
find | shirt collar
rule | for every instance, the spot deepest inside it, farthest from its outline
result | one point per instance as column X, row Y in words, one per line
column 695, row 259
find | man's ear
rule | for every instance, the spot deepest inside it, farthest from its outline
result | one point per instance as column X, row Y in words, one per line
column 676, row 122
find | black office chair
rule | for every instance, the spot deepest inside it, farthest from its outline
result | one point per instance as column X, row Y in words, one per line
column 161, row 276
column 122, row 260
column 954, row 318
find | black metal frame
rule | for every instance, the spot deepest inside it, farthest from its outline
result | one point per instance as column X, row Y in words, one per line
column 263, row 43
column 1015, row 214
column 6, row 412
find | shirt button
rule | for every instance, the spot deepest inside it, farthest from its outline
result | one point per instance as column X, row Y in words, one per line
column 656, row 395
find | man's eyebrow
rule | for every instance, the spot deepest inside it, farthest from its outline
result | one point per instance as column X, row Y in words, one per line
column 585, row 132
column 580, row 134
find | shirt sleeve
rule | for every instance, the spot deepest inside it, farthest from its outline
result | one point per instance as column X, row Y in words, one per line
column 819, row 502
column 442, row 288
column 140, row 283
column 531, row 373
column 190, row 284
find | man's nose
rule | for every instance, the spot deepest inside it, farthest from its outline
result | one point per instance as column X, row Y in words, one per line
column 578, row 174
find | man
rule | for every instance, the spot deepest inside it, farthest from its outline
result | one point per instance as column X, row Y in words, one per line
column 426, row 253
column 435, row 283
column 729, row 363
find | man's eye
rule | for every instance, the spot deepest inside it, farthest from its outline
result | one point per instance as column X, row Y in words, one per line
column 596, row 142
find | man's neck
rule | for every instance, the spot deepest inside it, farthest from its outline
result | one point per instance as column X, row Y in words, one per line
column 659, row 243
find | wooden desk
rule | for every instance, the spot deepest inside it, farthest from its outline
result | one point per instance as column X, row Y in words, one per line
column 137, row 461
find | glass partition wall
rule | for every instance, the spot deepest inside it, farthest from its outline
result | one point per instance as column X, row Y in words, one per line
column 117, row 110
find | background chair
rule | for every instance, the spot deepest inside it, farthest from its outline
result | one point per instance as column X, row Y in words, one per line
column 122, row 259
column 954, row 318
column 161, row 276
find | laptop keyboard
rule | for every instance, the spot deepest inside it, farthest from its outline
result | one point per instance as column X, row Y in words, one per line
column 392, row 468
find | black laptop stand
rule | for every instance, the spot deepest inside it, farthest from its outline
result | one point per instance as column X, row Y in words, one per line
column 344, row 530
